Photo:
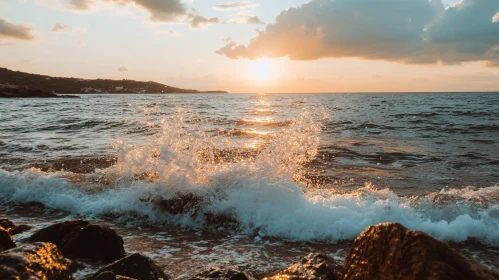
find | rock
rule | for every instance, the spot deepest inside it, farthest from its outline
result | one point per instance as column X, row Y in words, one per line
column 19, row 229
column 6, row 241
column 82, row 239
column 109, row 275
column 313, row 266
column 74, row 265
column 12, row 228
column 230, row 273
column 7, row 224
column 135, row 266
column 34, row 261
column 390, row 251
column 181, row 204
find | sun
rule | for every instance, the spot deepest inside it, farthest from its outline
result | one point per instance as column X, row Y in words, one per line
column 260, row 70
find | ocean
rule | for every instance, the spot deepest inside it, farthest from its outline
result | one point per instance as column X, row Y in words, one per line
column 257, row 180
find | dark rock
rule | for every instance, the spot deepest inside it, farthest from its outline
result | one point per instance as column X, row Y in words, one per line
column 19, row 229
column 135, row 266
column 121, row 277
column 313, row 266
column 74, row 265
column 34, row 261
column 230, row 273
column 7, row 224
column 109, row 275
column 106, row 275
column 82, row 239
column 6, row 241
column 391, row 251
column 178, row 205
column 12, row 228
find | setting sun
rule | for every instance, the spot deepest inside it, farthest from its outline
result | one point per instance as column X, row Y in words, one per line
column 260, row 70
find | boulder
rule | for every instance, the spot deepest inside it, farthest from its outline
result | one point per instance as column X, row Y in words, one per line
column 82, row 239
column 12, row 228
column 19, row 229
column 392, row 252
column 34, row 261
column 135, row 266
column 7, row 224
column 229, row 273
column 181, row 204
column 313, row 266
column 6, row 241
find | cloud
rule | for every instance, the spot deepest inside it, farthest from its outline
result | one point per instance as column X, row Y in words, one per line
column 245, row 17
column 410, row 31
column 239, row 5
column 122, row 69
column 59, row 27
column 198, row 21
column 254, row 20
column 15, row 31
column 80, row 5
column 160, row 10
column 495, row 18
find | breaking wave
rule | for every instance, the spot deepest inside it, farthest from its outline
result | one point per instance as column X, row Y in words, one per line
column 186, row 177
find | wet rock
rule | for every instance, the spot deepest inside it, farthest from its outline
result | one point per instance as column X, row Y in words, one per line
column 19, row 229
column 391, row 251
column 313, row 266
column 6, row 241
column 12, row 228
column 224, row 220
column 109, row 275
column 74, row 265
column 34, row 261
column 230, row 273
column 6, row 224
column 178, row 205
column 82, row 239
column 135, row 266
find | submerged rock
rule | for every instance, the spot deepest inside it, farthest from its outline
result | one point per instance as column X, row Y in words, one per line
column 82, row 239
column 313, row 266
column 391, row 251
column 7, row 224
column 34, row 261
column 230, row 273
column 19, row 229
column 135, row 266
column 6, row 241
column 180, row 204
column 12, row 228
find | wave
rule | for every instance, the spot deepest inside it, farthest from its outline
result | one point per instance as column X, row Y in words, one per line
column 178, row 178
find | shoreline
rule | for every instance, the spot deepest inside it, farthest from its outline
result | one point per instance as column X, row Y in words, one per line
column 202, row 250
column 183, row 252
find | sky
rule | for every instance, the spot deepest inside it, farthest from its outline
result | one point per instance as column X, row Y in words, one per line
column 247, row 46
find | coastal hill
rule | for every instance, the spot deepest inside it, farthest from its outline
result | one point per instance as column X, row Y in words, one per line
column 86, row 86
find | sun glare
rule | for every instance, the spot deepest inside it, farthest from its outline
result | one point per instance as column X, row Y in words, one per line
column 260, row 70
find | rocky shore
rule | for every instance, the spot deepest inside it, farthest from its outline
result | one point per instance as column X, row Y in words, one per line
column 383, row 251
column 11, row 91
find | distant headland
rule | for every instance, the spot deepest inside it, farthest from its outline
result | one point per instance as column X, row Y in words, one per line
column 62, row 85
